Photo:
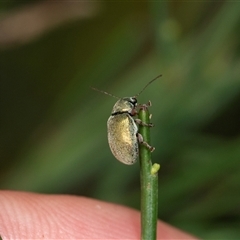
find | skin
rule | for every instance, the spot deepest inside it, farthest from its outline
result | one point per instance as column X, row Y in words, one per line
column 39, row 216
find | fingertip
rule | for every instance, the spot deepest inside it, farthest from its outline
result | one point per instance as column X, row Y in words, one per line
column 37, row 216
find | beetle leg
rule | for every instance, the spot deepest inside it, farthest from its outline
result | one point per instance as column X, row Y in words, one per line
column 149, row 104
column 140, row 122
column 140, row 140
column 145, row 105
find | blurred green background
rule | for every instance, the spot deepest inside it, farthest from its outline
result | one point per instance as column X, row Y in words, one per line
column 53, row 126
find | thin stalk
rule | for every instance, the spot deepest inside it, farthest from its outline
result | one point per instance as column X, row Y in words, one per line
column 149, row 182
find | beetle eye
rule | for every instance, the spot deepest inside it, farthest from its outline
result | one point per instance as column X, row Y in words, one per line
column 133, row 100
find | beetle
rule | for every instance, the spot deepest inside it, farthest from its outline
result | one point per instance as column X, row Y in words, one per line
column 122, row 128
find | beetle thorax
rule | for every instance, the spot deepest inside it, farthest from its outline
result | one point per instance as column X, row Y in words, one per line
column 123, row 105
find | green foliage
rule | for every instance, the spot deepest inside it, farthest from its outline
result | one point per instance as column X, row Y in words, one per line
column 53, row 126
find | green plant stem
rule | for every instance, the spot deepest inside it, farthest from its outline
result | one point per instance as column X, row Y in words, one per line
column 149, row 182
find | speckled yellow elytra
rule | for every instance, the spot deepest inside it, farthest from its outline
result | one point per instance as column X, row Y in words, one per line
column 122, row 128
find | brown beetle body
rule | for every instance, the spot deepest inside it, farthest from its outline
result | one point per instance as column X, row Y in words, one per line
column 122, row 131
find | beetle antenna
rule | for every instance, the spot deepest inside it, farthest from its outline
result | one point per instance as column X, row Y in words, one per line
column 148, row 84
column 101, row 91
